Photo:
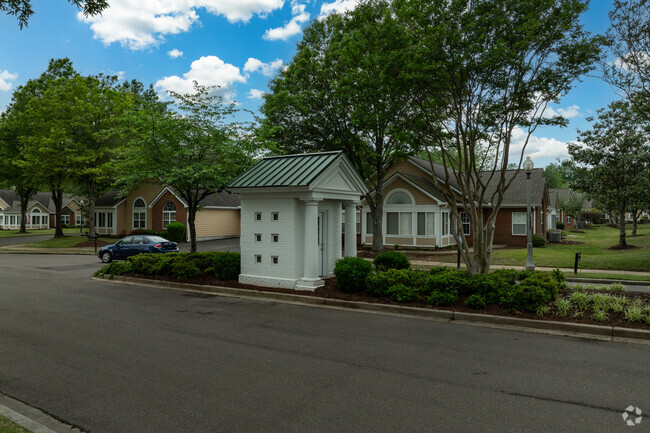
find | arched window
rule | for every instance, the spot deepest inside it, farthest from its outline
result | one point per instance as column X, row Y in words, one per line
column 399, row 197
column 36, row 219
column 139, row 214
column 169, row 214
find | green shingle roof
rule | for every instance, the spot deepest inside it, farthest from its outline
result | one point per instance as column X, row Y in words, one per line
column 286, row 171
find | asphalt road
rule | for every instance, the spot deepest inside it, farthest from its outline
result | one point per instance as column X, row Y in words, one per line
column 110, row 357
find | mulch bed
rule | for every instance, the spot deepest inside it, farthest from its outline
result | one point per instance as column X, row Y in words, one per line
column 576, row 231
column 624, row 247
column 331, row 291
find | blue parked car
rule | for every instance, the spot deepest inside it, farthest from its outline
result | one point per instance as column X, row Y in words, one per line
column 132, row 245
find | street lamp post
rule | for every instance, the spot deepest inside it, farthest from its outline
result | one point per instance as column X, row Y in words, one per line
column 528, row 168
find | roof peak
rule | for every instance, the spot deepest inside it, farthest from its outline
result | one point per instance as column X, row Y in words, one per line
column 295, row 155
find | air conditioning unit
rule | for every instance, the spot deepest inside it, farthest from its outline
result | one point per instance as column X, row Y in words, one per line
column 555, row 236
column 582, row 224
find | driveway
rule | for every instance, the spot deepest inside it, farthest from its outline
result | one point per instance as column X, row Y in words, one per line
column 110, row 357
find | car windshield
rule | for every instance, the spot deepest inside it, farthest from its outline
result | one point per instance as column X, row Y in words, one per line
column 157, row 239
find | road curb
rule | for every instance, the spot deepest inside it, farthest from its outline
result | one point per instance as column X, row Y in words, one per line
column 31, row 418
column 612, row 333
column 607, row 281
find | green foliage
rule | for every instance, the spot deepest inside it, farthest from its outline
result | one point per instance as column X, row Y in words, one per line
column 457, row 281
column 633, row 313
column 226, row 265
column 403, row 293
column 113, row 269
column 558, row 276
column 543, row 310
column 562, row 306
column 475, row 301
column 391, row 260
column 559, row 225
column 600, row 315
column 184, row 270
column 203, row 261
column 443, row 298
column 529, row 294
column 380, row 283
column 176, row 231
column 538, row 241
column 351, row 274
column 580, row 300
column 22, row 9
column 145, row 263
column 490, row 287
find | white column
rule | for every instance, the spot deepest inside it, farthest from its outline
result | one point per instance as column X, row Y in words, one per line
column 310, row 279
column 350, row 229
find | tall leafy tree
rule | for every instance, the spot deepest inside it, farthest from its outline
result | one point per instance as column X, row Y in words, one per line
column 630, row 34
column 193, row 146
column 614, row 159
column 341, row 92
column 478, row 71
column 22, row 9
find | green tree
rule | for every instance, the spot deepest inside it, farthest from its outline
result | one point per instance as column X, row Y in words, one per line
column 341, row 92
column 22, row 9
column 613, row 158
column 630, row 34
column 13, row 176
column 190, row 147
column 572, row 205
column 477, row 71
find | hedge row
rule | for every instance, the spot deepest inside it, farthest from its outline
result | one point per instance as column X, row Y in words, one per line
column 181, row 266
column 443, row 286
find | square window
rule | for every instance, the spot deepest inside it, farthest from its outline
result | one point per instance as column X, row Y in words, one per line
column 258, row 237
column 274, row 260
column 276, row 238
column 258, row 216
column 275, row 216
column 258, row 258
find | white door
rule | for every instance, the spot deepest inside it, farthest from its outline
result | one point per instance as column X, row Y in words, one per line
column 321, row 222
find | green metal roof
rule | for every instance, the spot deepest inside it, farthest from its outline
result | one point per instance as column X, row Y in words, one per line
column 286, row 171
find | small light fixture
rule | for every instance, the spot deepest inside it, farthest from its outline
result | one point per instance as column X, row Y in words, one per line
column 528, row 165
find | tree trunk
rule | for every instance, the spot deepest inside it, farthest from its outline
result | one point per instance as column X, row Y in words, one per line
column 377, row 219
column 621, row 222
column 191, row 214
column 90, row 195
column 635, row 218
column 24, row 201
column 57, row 197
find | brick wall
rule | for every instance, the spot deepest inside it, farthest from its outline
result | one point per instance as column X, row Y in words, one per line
column 157, row 211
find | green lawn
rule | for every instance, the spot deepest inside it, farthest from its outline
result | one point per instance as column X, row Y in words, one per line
column 66, row 242
column 6, row 426
column 595, row 252
column 15, row 234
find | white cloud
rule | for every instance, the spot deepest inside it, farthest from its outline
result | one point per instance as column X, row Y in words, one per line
column 207, row 71
column 267, row 69
column 570, row 112
column 139, row 24
column 291, row 28
column 5, row 78
column 337, row 7
column 174, row 53
column 256, row 94
column 539, row 148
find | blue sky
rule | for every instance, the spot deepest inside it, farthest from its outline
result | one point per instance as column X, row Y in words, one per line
column 237, row 44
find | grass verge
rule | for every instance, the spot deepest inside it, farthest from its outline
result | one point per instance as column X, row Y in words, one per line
column 15, row 234
column 7, row 426
column 65, row 242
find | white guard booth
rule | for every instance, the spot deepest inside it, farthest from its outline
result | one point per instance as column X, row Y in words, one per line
column 292, row 208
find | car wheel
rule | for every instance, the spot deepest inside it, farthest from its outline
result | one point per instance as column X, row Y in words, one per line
column 106, row 257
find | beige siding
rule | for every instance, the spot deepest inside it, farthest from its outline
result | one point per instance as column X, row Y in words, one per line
column 217, row 223
column 392, row 240
column 147, row 191
column 406, row 167
column 74, row 206
column 123, row 220
column 419, row 196
column 426, row 242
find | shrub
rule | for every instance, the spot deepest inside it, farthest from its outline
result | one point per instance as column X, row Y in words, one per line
column 538, row 241
column 490, row 287
column 562, row 306
column 581, row 300
column 391, row 260
column 351, row 274
column 633, row 313
column 453, row 280
column 145, row 263
column 443, row 298
column 403, row 293
column 380, row 283
column 475, row 301
column 226, row 265
column 114, row 268
column 559, row 225
column 176, row 231
column 558, row 276
column 509, row 275
column 599, row 315
column 203, row 261
column 531, row 293
column 183, row 270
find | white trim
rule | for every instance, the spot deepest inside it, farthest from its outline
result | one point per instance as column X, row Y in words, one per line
column 133, row 208
column 221, row 207
column 512, row 224
column 160, row 194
